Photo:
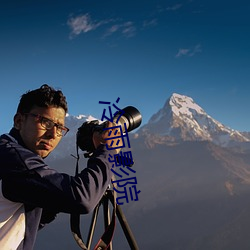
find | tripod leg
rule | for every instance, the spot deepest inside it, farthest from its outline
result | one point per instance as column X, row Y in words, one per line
column 106, row 215
column 93, row 224
column 126, row 229
column 123, row 222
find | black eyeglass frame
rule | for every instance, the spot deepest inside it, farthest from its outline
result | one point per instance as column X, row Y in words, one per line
column 60, row 129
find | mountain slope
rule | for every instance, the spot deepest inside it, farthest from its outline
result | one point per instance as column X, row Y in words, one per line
column 194, row 188
column 194, row 195
column 182, row 119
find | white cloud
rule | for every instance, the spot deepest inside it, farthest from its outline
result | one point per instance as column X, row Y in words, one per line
column 150, row 23
column 197, row 49
column 83, row 24
column 174, row 7
column 189, row 52
column 127, row 29
column 182, row 52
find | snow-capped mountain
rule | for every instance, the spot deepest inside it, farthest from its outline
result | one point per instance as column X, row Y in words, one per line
column 194, row 192
column 182, row 119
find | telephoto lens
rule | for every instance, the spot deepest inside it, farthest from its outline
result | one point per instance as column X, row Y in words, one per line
column 129, row 116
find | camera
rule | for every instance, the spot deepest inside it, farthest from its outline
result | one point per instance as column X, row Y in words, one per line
column 128, row 118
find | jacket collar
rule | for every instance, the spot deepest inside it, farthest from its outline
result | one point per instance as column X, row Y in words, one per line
column 15, row 134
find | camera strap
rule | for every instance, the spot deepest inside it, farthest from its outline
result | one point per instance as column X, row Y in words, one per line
column 107, row 236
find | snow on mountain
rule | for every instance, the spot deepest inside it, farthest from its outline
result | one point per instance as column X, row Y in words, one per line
column 74, row 122
column 182, row 119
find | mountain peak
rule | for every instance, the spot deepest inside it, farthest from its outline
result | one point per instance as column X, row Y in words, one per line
column 182, row 119
column 182, row 104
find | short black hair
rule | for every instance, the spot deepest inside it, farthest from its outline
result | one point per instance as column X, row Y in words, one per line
column 45, row 96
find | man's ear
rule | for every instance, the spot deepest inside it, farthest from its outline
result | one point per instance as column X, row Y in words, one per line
column 18, row 119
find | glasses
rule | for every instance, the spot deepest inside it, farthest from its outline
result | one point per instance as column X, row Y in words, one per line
column 49, row 124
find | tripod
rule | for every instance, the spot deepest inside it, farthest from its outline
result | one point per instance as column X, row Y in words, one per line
column 105, row 243
column 106, row 240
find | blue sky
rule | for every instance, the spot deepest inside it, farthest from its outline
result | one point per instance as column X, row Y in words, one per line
column 140, row 51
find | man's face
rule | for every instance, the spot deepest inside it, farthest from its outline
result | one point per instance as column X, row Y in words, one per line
column 35, row 137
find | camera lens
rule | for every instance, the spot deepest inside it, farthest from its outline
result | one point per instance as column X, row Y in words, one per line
column 130, row 116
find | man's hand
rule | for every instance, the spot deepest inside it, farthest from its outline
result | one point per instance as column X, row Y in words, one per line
column 99, row 138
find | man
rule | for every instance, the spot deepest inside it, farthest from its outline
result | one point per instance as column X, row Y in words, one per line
column 28, row 187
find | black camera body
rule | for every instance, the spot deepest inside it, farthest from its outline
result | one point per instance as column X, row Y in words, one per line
column 128, row 118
